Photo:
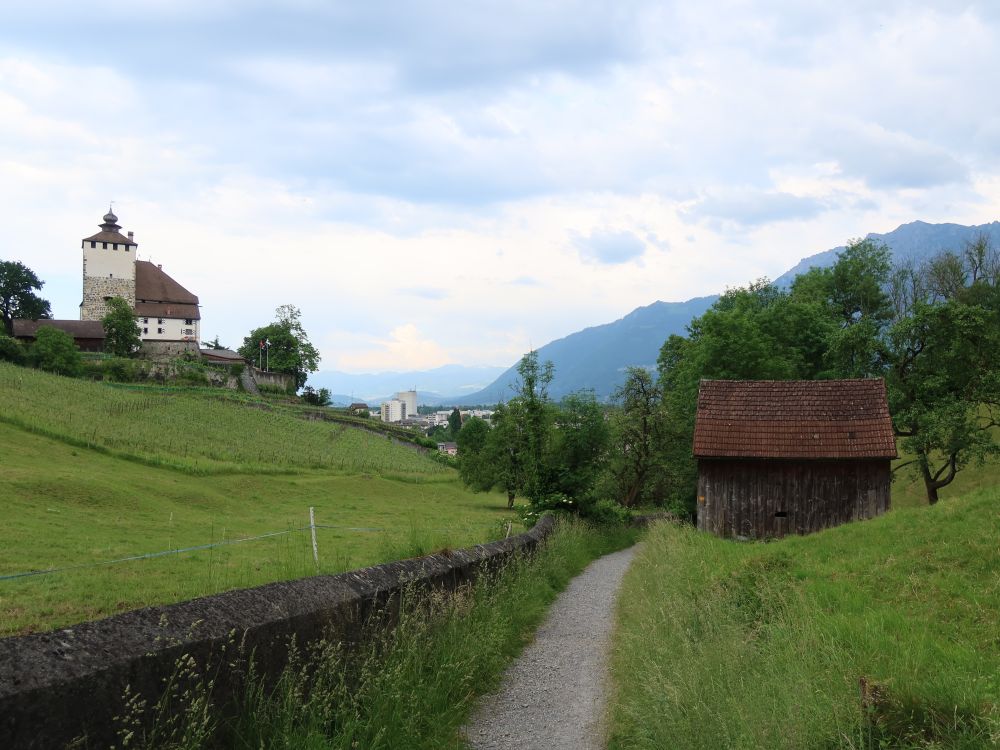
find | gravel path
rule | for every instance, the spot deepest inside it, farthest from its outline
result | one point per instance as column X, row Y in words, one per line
column 553, row 697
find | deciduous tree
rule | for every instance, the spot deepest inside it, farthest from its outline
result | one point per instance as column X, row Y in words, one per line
column 17, row 296
column 287, row 346
column 55, row 351
column 121, row 332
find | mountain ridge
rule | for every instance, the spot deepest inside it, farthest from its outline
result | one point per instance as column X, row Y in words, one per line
column 596, row 357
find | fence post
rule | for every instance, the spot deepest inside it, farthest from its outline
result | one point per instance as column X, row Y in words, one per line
column 312, row 528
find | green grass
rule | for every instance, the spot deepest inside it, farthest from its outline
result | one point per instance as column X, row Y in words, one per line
column 763, row 645
column 140, row 487
column 412, row 688
column 200, row 431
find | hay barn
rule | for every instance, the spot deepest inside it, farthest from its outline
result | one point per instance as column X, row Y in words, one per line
column 791, row 457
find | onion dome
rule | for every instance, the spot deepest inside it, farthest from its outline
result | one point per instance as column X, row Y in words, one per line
column 110, row 222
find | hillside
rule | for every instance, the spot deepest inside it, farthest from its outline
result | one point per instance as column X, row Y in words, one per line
column 93, row 473
column 767, row 645
column 597, row 357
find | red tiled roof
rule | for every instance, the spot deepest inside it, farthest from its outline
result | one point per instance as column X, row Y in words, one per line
column 166, row 310
column 793, row 419
column 78, row 329
column 153, row 285
column 110, row 236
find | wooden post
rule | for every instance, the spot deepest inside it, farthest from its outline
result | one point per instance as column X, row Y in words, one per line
column 312, row 528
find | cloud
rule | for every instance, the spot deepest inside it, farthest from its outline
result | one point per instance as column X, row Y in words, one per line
column 609, row 246
column 425, row 292
column 404, row 349
column 890, row 160
column 748, row 207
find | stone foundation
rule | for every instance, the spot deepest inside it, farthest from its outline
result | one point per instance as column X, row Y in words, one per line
column 96, row 288
column 165, row 350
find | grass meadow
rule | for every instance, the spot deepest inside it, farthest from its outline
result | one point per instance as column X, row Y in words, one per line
column 877, row 634
column 199, row 431
column 141, row 487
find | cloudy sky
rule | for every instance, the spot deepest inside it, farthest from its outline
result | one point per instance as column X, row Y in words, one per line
column 457, row 182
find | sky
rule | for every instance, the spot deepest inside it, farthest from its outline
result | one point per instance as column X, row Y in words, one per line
column 436, row 183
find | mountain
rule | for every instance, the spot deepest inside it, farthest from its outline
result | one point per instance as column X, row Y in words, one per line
column 597, row 357
column 917, row 241
column 429, row 384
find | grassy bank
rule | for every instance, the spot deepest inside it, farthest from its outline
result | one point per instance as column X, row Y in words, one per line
column 415, row 687
column 200, row 431
column 880, row 634
column 92, row 473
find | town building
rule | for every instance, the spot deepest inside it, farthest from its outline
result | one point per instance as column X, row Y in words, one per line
column 410, row 399
column 791, row 457
column 393, row 410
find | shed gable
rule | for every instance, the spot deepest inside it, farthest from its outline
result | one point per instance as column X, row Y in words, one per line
column 793, row 419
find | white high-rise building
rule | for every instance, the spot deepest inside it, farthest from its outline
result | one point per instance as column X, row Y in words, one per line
column 410, row 399
column 393, row 410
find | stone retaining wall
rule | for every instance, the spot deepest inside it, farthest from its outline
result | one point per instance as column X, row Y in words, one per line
column 61, row 685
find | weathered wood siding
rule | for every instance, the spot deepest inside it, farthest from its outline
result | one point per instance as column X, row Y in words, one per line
column 772, row 498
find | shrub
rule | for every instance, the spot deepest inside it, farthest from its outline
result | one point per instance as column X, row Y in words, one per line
column 122, row 370
column 55, row 351
column 12, row 350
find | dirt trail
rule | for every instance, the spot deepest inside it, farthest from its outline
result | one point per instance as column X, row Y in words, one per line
column 554, row 696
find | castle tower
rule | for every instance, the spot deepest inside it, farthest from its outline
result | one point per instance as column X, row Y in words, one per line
column 108, row 269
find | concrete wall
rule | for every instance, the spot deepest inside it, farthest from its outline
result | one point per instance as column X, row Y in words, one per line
column 61, row 685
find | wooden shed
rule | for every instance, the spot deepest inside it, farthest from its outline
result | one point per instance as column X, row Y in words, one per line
column 790, row 457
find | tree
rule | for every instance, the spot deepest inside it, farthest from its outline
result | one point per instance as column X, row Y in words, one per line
column 637, row 432
column 474, row 464
column 578, row 446
column 322, row 397
column 121, row 333
column 287, row 345
column 17, row 298
column 507, row 450
column 944, row 383
column 493, row 456
column 535, row 409
column 55, row 351
column 455, row 423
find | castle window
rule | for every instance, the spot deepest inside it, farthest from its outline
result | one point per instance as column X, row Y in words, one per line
column 104, row 245
column 145, row 320
column 188, row 321
column 159, row 330
column 159, row 320
column 93, row 244
column 145, row 330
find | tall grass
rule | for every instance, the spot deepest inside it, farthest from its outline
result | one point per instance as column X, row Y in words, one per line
column 880, row 634
column 411, row 687
column 191, row 432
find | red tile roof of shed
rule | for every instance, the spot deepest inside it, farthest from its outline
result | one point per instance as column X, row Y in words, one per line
column 793, row 419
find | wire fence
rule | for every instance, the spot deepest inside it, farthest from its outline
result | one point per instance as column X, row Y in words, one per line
column 226, row 542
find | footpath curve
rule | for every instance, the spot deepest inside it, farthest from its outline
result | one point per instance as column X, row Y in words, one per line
column 554, row 697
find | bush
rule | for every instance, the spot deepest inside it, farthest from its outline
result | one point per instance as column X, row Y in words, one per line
column 55, row 351
column 122, row 371
column 316, row 398
column 12, row 350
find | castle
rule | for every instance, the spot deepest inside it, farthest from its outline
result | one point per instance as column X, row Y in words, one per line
column 167, row 313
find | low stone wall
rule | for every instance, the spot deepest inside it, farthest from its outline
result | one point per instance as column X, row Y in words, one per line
column 165, row 350
column 58, row 686
column 276, row 379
